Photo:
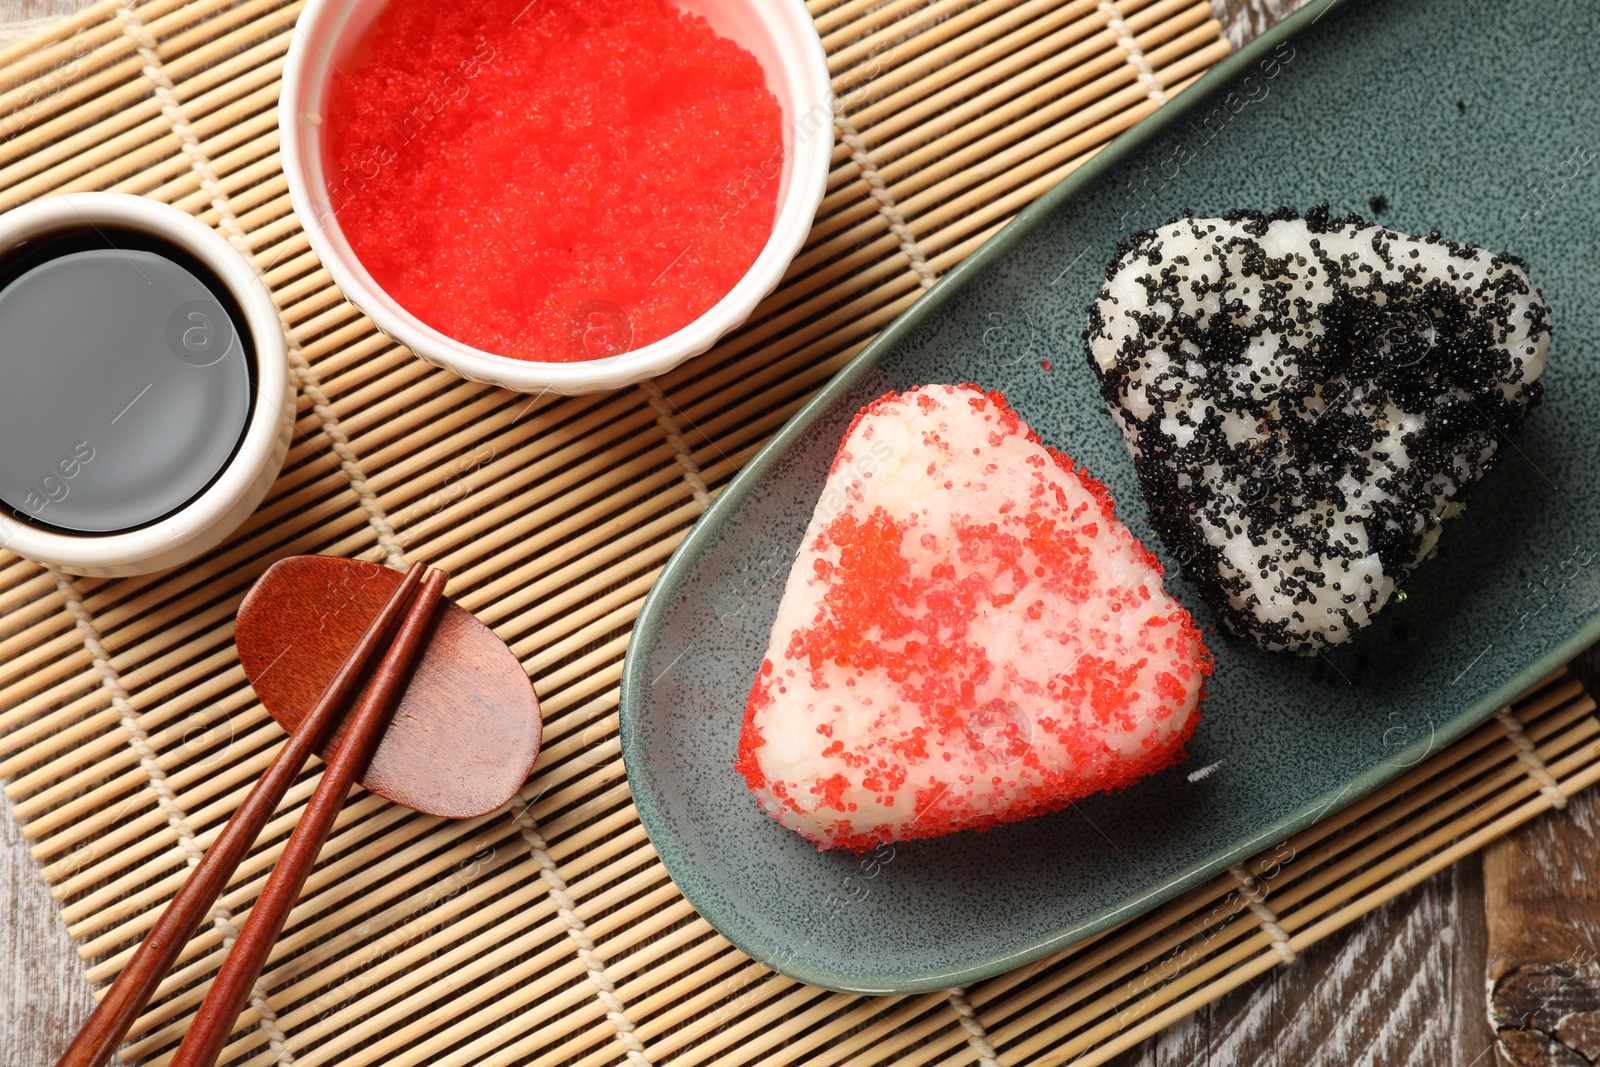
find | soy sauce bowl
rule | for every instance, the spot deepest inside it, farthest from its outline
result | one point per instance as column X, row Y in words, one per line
column 145, row 403
column 779, row 33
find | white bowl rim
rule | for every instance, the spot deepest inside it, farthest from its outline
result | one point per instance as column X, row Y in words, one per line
column 201, row 523
column 808, row 182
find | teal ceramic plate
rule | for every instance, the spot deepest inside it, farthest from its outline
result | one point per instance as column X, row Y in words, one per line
column 1475, row 117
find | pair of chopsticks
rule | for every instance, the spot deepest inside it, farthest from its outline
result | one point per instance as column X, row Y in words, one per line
column 403, row 625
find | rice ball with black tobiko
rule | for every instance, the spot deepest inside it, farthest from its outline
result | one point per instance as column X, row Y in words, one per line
column 1308, row 400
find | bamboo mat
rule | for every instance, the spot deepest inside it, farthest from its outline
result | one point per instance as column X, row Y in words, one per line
column 549, row 931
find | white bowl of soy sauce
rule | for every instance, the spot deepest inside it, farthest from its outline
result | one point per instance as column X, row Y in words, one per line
column 145, row 406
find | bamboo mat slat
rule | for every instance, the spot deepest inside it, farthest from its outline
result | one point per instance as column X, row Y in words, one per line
column 549, row 932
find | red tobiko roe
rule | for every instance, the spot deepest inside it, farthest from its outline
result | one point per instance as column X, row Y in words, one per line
column 558, row 180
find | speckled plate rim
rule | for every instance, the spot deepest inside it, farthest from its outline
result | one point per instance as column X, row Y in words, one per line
column 749, row 938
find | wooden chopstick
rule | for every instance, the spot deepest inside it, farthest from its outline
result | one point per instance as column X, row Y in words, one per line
column 154, row 958
column 230, row 991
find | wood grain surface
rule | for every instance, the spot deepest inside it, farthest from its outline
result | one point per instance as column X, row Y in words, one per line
column 44, row 997
column 1497, row 958
column 1543, row 969
column 1242, row 20
column 1403, row 987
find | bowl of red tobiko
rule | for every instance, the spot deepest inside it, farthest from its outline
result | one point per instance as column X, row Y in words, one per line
column 556, row 195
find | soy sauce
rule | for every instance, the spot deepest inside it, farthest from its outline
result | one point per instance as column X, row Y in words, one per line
column 127, row 379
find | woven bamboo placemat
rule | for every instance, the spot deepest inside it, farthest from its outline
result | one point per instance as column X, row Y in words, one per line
column 549, row 932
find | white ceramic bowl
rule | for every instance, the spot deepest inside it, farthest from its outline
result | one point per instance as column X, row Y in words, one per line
column 202, row 523
column 779, row 33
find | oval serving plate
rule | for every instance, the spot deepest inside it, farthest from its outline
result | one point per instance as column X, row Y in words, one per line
column 1465, row 116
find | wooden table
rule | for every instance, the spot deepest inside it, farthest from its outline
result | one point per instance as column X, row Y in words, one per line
column 1504, row 946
